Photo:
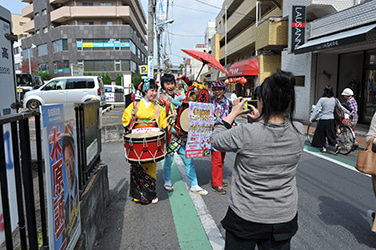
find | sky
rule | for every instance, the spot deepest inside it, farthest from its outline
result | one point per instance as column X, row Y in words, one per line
column 187, row 30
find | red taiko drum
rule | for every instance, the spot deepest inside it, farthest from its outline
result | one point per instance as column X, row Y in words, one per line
column 144, row 148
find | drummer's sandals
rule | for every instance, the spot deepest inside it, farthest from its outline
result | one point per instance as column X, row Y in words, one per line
column 168, row 187
column 198, row 190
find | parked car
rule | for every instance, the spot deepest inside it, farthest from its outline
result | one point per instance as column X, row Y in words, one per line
column 66, row 89
column 27, row 82
column 114, row 93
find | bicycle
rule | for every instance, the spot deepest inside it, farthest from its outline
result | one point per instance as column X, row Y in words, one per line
column 345, row 136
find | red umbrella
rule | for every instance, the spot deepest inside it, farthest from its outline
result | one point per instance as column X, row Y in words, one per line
column 206, row 58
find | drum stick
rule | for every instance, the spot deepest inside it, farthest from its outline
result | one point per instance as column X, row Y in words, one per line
column 374, row 226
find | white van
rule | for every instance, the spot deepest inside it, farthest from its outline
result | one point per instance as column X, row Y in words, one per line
column 114, row 94
column 66, row 89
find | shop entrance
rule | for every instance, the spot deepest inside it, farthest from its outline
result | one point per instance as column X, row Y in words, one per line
column 369, row 87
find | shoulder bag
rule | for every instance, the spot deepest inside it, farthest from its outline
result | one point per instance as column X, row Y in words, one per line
column 339, row 115
column 366, row 162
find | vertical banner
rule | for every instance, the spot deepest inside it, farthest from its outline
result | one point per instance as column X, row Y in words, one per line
column 7, row 97
column 60, row 150
column 298, row 27
column 150, row 67
column 201, row 121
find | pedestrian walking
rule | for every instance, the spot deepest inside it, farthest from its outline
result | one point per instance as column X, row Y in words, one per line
column 326, row 127
column 177, row 141
column 264, row 199
column 222, row 107
column 139, row 115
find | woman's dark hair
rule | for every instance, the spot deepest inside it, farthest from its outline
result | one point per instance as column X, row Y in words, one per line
column 278, row 95
column 167, row 78
column 152, row 85
column 328, row 91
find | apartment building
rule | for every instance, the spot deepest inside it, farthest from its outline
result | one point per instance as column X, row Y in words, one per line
column 250, row 34
column 101, row 35
column 17, row 28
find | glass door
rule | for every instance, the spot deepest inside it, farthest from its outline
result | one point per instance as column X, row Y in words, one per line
column 369, row 95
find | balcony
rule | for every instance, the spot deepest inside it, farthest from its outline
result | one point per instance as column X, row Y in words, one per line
column 58, row 1
column 29, row 27
column 27, row 1
column 28, row 11
column 66, row 13
column 272, row 33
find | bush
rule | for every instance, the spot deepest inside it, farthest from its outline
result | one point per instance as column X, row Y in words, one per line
column 45, row 75
column 118, row 79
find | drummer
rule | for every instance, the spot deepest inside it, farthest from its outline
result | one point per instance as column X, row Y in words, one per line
column 145, row 110
column 177, row 142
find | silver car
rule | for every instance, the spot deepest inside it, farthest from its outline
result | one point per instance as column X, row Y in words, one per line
column 66, row 89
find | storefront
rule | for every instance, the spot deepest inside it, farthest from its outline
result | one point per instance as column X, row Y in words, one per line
column 248, row 70
column 346, row 60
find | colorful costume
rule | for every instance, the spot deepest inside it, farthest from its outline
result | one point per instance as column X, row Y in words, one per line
column 144, row 177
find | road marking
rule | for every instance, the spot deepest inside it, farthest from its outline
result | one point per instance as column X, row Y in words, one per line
column 189, row 229
column 333, row 158
column 215, row 238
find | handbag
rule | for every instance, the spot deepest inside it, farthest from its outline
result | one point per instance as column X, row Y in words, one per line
column 339, row 115
column 366, row 162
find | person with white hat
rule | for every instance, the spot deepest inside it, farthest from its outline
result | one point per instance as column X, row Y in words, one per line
column 353, row 105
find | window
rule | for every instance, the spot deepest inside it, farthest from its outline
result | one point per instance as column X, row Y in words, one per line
column 16, row 50
column 87, row 4
column 106, row 23
column 45, row 30
column 105, row 4
column 60, row 45
column 43, row 67
column 76, row 83
column 61, row 66
column 28, row 52
column 21, row 23
column 44, row 12
column 42, row 49
column 99, row 65
column 37, row 32
column 88, row 23
column 36, row 14
column 125, row 65
column 55, row 85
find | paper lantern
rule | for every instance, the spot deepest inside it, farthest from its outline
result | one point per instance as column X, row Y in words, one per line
column 226, row 82
column 243, row 80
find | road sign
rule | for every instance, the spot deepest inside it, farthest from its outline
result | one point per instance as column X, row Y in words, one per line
column 150, row 67
column 143, row 69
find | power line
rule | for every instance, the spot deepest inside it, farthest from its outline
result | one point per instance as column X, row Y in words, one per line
column 233, row 12
column 174, row 34
column 185, row 7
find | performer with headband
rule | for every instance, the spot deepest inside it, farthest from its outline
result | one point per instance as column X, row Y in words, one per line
column 136, row 115
column 177, row 142
column 222, row 107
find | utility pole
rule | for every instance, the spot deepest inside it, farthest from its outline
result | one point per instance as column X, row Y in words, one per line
column 151, row 11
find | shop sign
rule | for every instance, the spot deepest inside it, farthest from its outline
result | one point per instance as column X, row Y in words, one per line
column 298, row 26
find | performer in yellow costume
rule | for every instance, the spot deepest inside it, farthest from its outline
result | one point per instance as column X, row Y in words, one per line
column 139, row 115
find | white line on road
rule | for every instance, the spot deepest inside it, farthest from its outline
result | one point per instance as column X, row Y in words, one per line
column 215, row 238
column 320, row 155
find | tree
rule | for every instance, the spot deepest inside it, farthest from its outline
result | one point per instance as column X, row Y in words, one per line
column 45, row 75
column 107, row 79
column 25, row 67
column 181, row 67
column 118, row 79
column 136, row 80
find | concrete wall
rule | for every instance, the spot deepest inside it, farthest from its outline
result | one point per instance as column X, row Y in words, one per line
column 94, row 201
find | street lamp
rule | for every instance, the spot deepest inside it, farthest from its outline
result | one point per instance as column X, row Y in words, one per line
column 28, row 51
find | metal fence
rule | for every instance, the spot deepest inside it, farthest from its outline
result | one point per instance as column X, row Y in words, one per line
column 15, row 146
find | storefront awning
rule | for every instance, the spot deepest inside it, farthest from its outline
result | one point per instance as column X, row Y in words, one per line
column 339, row 39
column 248, row 67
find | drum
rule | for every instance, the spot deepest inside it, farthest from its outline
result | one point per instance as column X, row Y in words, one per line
column 144, row 148
column 182, row 121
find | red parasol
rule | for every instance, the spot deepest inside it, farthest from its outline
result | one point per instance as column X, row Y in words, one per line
column 206, row 58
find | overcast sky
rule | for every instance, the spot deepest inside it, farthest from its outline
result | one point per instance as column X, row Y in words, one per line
column 188, row 29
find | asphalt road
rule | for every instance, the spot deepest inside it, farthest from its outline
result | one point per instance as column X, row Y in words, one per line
column 333, row 201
